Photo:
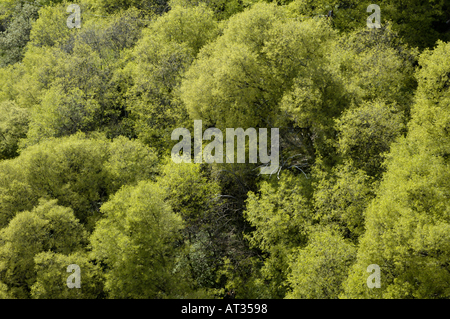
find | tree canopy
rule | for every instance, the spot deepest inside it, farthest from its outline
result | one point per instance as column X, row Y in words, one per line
column 359, row 116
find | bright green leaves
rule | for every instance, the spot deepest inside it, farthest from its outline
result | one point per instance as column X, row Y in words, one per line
column 366, row 133
column 419, row 23
column 265, row 71
column 21, row 241
column 35, row 250
column 279, row 218
column 433, row 77
column 229, row 86
column 188, row 190
column 352, row 191
column 4, row 292
column 16, row 194
column 375, row 64
column 48, row 227
column 51, row 277
column 428, row 130
column 223, row 9
column 156, row 74
column 69, row 170
column 319, row 269
column 66, row 234
column 72, row 80
column 159, row 62
column 340, row 199
column 129, row 162
column 51, row 28
column 313, row 102
column 136, row 240
column 111, row 6
column 282, row 218
column 62, row 114
column 80, row 172
column 194, row 26
column 407, row 224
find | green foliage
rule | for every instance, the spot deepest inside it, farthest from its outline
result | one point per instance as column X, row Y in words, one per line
column 188, row 190
column 340, row 199
column 375, row 64
column 51, row 27
column 282, row 217
column 193, row 26
column 4, row 292
column 70, row 170
column 110, row 6
column 78, row 85
column 61, row 114
column 13, row 126
column 80, row 172
column 318, row 270
column 158, row 64
column 136, row 240
column 86, row 116
column 366, row 133
column 348, row 14
column 52, row 276
column 129, row 161
column 224, row 87
column 267, row 70
column 247, row 280
column 16, row 194
column 222, row 9
column 416, row 21
column 17, row 34
column 48, row 227
column 407, row 224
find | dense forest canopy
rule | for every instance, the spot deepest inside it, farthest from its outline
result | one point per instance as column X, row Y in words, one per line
column 86, row 170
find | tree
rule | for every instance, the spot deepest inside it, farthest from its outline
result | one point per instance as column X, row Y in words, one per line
column 48, row 227
column 16, row 194
column 222, row 9
column 62, row 113
column 281, row 217
column 158, row 64
column 79, row 81
column 265, row 71
column 318, row 270
column 227, row 86
column 17, row 34
column 152, row 7
column 4, row 292
column 136, row 240
column 189, row 190
column 80, row 171
column 407, row 223
column 375, row 64
column 51, row 277
column 366, row 133
column 340, row 198
column 13, row 126
column 50, row 29
column 419, row 23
